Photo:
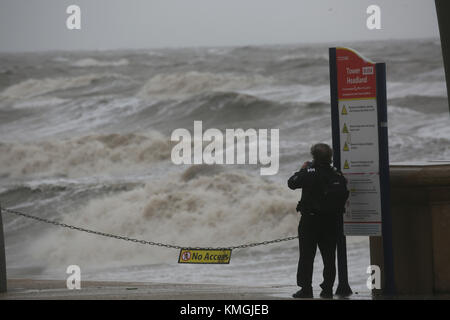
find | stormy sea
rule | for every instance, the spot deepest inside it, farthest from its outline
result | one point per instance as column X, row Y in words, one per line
column 85, row 140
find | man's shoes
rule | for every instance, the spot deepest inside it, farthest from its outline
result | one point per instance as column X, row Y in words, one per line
column 304, row 293
column 327, row 293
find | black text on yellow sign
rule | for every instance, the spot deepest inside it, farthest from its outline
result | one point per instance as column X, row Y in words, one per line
column 205, row 256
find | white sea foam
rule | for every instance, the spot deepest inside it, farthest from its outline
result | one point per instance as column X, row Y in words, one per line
column 90, row 62
column 35, row 87
column 38, row 102
column 405, row 89
column 304, row 56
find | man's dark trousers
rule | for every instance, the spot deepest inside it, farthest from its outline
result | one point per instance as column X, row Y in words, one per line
column 317, row 231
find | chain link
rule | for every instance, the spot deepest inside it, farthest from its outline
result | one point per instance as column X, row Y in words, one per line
column 151, row 243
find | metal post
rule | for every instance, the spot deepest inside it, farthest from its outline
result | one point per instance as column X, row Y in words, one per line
column 383, row 146
column 343, row 288
column 442, row 10
column 3, row 285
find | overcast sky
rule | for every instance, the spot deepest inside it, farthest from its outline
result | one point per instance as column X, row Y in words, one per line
column 31, row 25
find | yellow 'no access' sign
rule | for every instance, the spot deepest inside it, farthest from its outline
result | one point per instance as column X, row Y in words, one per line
column 205, row 256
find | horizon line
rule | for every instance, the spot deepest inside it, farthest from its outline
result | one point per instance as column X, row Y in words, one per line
column 179, row 47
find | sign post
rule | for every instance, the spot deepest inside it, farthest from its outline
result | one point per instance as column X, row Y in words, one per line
column 360, row 151
column 3, row 282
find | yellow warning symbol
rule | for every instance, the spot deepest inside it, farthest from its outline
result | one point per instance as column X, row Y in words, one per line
column 344, row 110
column 346, row 166
column 345, row 130
column 346, row 148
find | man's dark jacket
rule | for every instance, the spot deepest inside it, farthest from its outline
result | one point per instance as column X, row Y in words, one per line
column 311, row 179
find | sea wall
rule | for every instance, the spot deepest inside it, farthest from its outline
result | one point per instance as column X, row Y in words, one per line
column 420, row 209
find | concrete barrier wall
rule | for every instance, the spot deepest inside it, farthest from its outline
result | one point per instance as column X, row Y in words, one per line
column 420, row 208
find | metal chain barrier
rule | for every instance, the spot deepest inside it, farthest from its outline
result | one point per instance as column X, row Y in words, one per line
column 151, row 243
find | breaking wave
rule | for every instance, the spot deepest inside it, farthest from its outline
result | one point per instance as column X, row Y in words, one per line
column 199, row 207
column 182, row 84
column 36, row 87
column 223, row 108
column 83, row 156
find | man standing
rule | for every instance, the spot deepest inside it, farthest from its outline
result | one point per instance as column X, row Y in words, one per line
column 324, row 193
